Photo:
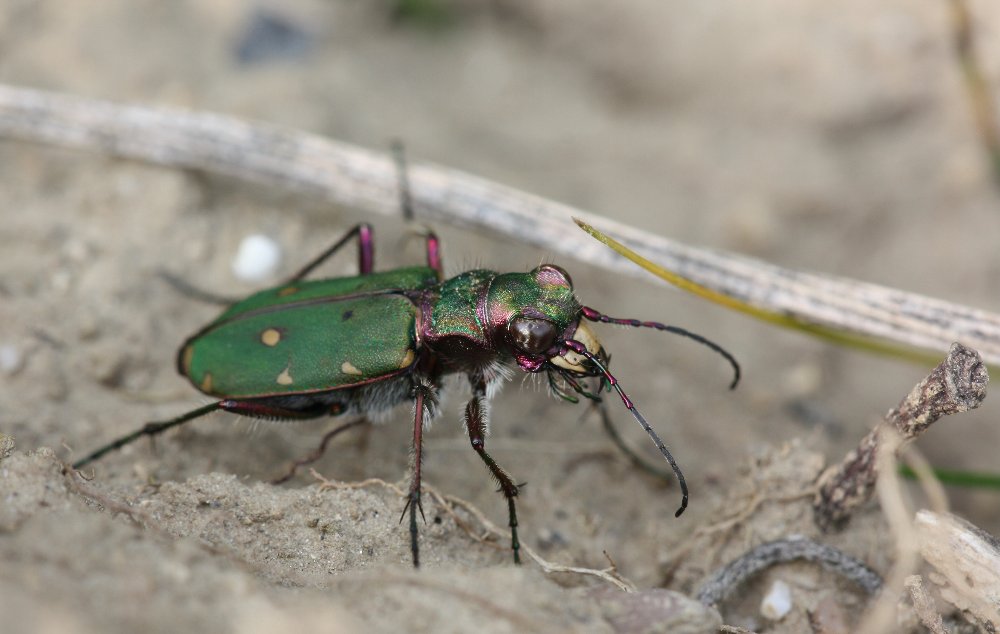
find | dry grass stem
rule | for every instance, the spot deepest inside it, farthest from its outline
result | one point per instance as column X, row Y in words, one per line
column 360, row 179
column 937, row 497
column 882, row 616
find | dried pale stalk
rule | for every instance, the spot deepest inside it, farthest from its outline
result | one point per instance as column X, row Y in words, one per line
column 883, row 613
column 365, row 180
column 968, row 560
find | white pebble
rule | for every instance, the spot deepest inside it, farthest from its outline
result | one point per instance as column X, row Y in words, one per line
column 777, row 602
column 11, row 359
column 257, row 258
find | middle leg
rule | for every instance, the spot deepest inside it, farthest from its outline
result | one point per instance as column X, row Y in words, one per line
column 424, row 408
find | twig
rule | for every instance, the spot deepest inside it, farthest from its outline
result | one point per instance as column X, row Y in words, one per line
column 725, row 580
column 958, row 384
column 365, row 180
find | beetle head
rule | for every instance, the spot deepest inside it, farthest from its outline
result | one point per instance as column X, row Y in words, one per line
column 534, row 314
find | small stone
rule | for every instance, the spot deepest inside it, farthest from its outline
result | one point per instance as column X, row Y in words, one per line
column 257, row 258
column 11, row 359
column 271, row 37
column 777, row 602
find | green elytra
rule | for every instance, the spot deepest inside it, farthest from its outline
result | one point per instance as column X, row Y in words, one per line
column 308, row 336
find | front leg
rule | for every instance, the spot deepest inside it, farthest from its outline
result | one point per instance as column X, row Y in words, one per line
column 424, row 407
column 476, row 424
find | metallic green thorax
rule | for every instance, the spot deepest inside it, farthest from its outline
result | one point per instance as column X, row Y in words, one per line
column 469, row 313
column 453, row 309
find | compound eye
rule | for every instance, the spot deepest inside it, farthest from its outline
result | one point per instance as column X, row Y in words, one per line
column 533, row 336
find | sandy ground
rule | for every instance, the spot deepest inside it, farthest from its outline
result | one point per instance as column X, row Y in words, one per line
column 832, row 139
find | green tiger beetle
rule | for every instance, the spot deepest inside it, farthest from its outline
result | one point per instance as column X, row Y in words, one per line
column 364, row 344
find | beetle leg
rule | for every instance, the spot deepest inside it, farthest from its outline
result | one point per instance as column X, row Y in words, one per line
column 424, row 400
column 188, row 289
column 318, row 452
column 149, row 429
column 364, row 234
column 634, row 457
column 434, row 254
column 475, row 422
column 254, row 409
column 406, row 204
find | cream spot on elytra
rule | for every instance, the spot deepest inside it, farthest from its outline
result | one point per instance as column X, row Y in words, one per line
column 270, row 337
column 407, row 359
column 285, row 378
column 347, row 368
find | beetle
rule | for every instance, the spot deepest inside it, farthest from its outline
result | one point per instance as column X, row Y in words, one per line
column 364, row 344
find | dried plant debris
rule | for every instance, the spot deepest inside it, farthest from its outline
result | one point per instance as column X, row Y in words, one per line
column 957, row 384
column 967, row 561
column 728, row 578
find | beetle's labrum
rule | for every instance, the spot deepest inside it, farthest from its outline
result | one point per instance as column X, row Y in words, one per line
column 364, row 344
